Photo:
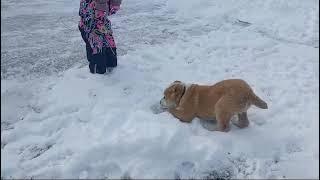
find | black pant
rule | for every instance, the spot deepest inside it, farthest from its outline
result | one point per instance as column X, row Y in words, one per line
column 99, row 62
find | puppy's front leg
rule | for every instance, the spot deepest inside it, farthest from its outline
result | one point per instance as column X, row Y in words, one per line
column 181, row 114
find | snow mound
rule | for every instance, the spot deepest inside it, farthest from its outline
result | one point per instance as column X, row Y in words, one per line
column 73, row 124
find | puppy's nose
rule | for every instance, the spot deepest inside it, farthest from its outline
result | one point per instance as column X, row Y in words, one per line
column 161, row 101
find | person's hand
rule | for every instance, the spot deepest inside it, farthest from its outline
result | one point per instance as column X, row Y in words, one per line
column 101, row 5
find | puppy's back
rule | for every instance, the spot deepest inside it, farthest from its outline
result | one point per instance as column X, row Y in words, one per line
column 241, row 90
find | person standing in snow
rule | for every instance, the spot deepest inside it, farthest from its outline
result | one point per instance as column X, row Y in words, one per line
column 95, row 28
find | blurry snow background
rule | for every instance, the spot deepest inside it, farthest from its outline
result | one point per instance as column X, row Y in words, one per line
column 59, row 121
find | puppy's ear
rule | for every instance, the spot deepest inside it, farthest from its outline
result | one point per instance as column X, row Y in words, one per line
column 179, row 87
column 177, row 81
column 175, row 89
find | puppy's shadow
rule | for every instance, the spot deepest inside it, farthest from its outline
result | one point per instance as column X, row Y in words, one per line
column 209, row 124
column 156, row 108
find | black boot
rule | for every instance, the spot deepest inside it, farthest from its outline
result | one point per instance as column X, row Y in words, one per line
column 97, row 68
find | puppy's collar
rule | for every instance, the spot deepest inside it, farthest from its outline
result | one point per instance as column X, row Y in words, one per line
column 184, row 91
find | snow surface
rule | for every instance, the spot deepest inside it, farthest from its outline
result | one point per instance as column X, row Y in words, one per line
column 60, row 121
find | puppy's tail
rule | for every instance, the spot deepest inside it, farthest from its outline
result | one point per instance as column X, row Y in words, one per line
column 255, row 100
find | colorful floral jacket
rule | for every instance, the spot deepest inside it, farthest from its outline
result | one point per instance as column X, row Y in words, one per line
column 95, row 24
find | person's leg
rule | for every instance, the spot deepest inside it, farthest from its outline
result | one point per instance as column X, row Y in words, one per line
column 91, row 60
column 111, row 53
column 98, row 62
column 89, row 52
column 111, row 59
column 105, row 60
column 102, row 61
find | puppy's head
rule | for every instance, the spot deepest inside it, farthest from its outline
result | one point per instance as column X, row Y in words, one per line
column 173, row 95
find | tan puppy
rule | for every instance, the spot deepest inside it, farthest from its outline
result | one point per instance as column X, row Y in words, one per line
column 220, row 101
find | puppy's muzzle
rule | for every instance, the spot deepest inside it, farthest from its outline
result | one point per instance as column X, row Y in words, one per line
column 163, row 103
column 166, row 104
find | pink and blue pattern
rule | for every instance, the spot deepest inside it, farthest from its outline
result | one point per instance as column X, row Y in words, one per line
column 96, row 25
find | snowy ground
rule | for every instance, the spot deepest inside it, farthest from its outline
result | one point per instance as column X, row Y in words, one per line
column 59, row 121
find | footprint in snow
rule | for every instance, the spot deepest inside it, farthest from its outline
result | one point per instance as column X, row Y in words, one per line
column 127, row 90
column 92, row 93
column 34, row 151
column 183, row 170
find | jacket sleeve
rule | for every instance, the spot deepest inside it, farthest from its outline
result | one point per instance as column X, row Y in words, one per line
column 114, row 6
column 82, row 8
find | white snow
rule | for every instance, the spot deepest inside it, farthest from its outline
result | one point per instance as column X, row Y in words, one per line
column 60, row 121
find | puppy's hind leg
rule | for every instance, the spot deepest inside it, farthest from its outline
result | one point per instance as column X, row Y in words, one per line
column 242, row 120
column 221, row 124
column 223, row 119
column 223, row 116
